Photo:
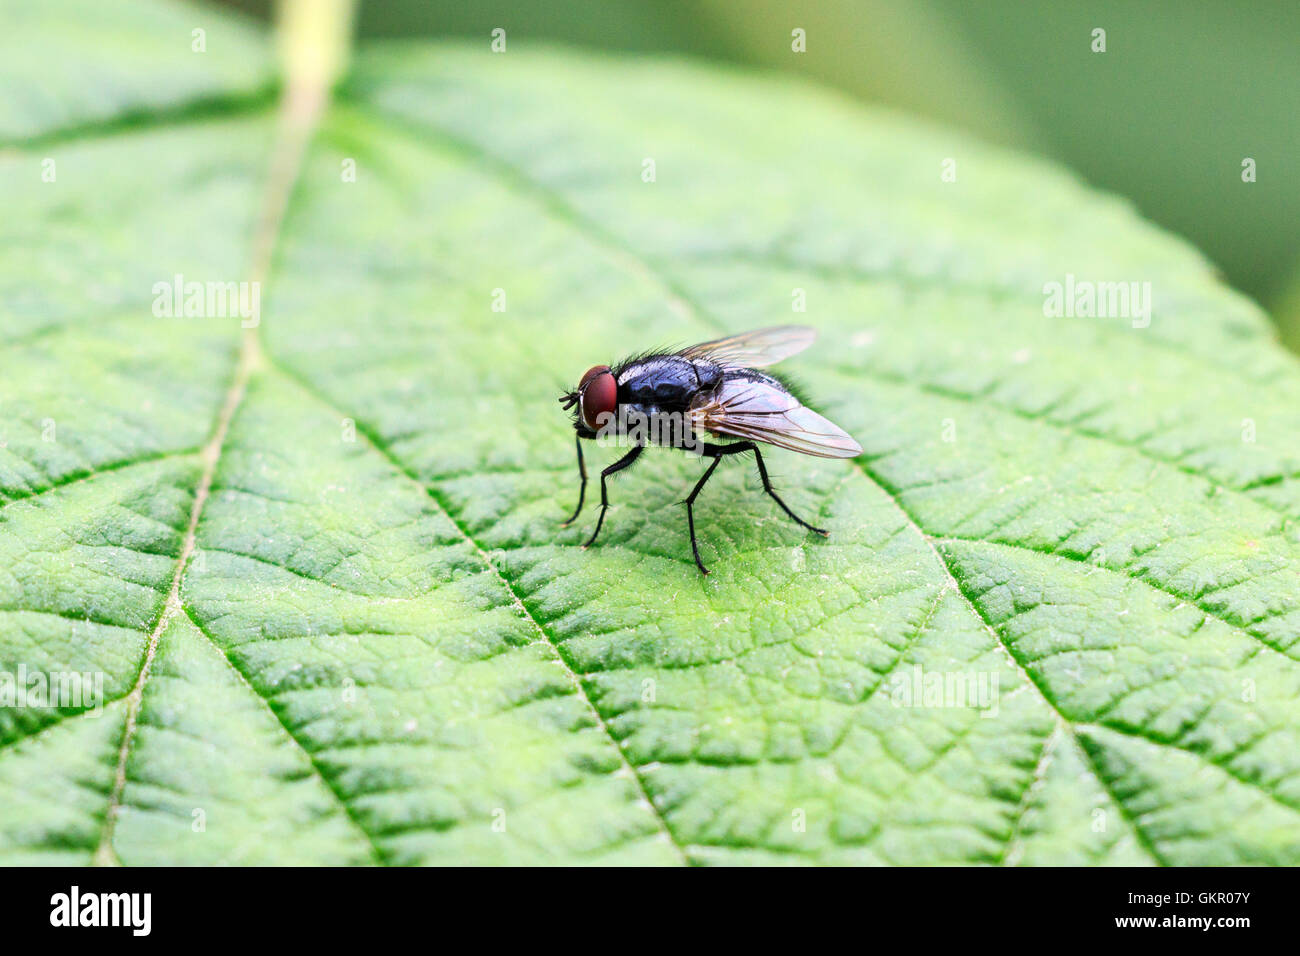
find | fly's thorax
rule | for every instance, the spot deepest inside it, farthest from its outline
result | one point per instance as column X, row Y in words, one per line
column 669, row 383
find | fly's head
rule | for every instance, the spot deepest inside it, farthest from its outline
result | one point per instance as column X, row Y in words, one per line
column 596, row 395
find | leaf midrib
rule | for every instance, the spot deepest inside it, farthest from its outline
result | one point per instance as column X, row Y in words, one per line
column 298, row 119
column 104, row 853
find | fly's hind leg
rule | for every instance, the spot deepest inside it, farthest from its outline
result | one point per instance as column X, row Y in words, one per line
column 717, row 453
column 690, row 508
column 767, row 486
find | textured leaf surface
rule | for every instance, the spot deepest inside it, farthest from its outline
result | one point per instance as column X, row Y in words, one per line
column 385, row 648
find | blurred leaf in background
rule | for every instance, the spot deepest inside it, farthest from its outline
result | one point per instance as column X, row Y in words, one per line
column 1165, row 116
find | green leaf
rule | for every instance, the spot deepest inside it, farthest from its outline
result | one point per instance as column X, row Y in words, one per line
column 74, row 63
column 318, row 563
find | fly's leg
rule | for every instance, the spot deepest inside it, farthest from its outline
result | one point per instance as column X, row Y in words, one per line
column 690, row 505
column 582, row 488
column 619, row 465
column 767, row 486
column 717, row 452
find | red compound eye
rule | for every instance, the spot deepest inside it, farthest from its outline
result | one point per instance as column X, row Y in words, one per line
column 590, row 374
column 599, row 394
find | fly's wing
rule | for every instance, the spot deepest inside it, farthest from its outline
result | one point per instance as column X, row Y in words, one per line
column 761, row 410
column 756, row 349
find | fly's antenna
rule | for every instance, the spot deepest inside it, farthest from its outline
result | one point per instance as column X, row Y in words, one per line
column 568, row 400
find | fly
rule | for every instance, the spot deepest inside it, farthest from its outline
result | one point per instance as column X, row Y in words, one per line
column 714, row 388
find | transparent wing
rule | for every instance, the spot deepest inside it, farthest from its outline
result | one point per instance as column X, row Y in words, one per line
column 761, row 410
column 755, row 349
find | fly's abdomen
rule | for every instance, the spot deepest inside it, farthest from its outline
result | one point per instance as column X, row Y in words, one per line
column 651, row 425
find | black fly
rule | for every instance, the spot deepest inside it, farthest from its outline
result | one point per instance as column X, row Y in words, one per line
column 715, row 388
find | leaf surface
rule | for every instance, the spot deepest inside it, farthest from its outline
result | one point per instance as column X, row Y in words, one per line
column 319, row 565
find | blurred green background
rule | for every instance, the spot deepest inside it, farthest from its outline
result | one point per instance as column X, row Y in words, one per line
column 1185, row 90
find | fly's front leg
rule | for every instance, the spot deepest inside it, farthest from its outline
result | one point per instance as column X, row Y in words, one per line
column 619, row 465
column 582, row 488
